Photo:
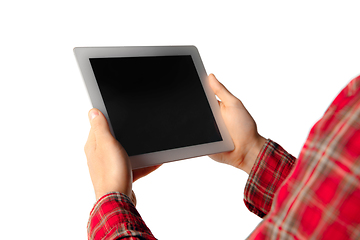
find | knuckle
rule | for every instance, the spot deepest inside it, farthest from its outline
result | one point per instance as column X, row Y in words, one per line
column 87, row 148
column 95, row 126
column 236, row 101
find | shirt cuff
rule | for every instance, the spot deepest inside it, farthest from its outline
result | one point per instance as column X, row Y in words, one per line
column 270, row 169
column 114, row 216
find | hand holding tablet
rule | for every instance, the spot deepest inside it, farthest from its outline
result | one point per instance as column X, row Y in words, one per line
column 157, row 101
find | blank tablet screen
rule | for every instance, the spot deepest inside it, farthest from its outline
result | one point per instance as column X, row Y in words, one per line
column 155, row 103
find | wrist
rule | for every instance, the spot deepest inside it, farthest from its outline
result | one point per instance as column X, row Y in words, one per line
column 252, row 154
column 99, row 193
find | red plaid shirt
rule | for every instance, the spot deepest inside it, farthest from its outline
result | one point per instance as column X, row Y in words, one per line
column 314, row 197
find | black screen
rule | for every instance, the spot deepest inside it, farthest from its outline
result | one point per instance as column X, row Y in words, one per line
column 155, row 103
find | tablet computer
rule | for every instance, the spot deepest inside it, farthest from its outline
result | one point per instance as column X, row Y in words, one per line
column 157, row 101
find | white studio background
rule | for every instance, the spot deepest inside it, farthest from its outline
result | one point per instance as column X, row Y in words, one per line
column 285, row 60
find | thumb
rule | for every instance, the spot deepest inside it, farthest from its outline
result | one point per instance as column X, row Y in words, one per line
column 99, row 123
column 220, row 90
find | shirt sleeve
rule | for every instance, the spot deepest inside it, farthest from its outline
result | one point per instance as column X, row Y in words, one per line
column 321, row 197
column 115, row 217
column 270, row 169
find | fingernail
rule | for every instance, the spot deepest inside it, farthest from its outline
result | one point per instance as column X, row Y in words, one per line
column 93, row 114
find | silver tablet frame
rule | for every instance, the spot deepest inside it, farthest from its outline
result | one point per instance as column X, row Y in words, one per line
column 83, row 54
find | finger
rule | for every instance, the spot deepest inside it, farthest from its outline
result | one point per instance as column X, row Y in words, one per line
column 142, row 172
column 220, row 90
column 99, row 124
column 91, row 141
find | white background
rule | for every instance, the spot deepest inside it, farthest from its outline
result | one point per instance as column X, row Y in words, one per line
column 286, row 61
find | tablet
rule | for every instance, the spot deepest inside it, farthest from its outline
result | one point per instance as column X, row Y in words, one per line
column 157, row 101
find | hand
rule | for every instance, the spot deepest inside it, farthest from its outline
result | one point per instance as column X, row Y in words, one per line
column 242, row 129
column 108, row 162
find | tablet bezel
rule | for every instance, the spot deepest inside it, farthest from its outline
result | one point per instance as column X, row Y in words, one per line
column 83, row 54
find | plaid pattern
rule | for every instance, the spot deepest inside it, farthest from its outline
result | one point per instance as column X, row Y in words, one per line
column 115, row 217
column 321, row 197
column 316, row 198
column 271, row 167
